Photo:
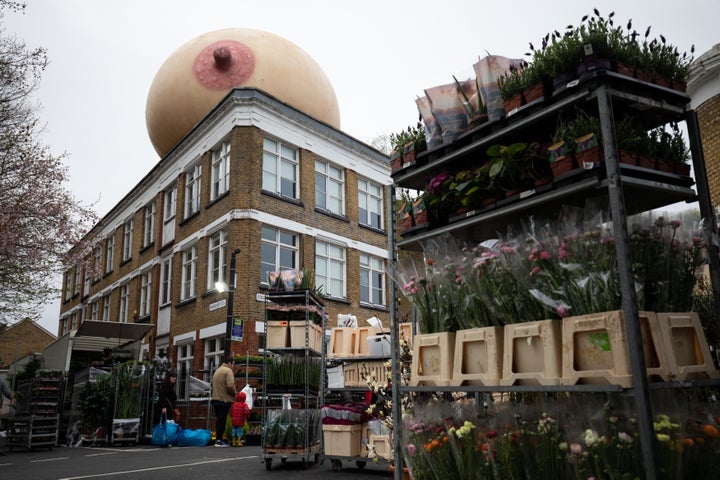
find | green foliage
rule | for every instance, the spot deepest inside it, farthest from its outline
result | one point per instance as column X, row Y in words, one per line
column 290, row 370
column 414, row 135
column 96, row 402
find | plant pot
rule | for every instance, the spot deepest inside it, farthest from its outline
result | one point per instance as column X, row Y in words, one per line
column 532, row 353
column 627, row 157
column 663, row 81
column 432, row 360
column 665, row 165
column 396, row 161
column 624, row 69
column 563, row 79
column 645, row 161
column 534, row 93
column 681, row 169
column 513, row 103
column 679, row 85
column 562, row 165
column 478, row 356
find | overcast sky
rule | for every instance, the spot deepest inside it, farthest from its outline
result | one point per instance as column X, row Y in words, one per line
column 378, row 55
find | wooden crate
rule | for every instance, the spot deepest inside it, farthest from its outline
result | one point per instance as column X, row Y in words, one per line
column 532, row 353
column 478, row 356
column 432, row 360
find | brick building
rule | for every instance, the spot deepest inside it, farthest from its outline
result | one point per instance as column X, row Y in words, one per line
column 704, row 91
column 255, row 173
column 22, row 339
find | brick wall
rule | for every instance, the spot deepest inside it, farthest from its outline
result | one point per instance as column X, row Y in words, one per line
column 709, row 121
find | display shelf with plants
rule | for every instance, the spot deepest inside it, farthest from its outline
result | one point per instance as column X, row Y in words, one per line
column 581, row 267
column 291, row 388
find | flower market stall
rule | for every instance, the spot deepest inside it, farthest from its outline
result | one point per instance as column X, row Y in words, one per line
column 563, row 325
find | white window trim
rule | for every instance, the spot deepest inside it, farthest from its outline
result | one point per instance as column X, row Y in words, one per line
column 221, row 247
column 149, row 225
column 192, row 190
column 324, row 169
column 220, row 171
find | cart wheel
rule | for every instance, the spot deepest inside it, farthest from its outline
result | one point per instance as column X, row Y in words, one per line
column 336, row 465
column 282, row 461
column 317, row 457
column 360, row 464
column 268, row 464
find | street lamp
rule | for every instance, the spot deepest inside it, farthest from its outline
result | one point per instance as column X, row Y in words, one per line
column 231, row 293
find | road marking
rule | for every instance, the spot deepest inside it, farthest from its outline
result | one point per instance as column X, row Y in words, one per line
column 49, row 459
column 101, row 454
column 167, row 467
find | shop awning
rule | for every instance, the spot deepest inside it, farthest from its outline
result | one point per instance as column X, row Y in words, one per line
column 95, row 336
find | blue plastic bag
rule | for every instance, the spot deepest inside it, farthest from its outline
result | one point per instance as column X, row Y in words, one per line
column 165, row 433
column 193, row 438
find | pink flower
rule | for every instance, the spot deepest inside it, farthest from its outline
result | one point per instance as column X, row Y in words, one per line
column 562, row 254
column 576, row 449
column 675, row 223
column 411, row 449
column 545, row 255
column 535, row 270
column 562, row 311
column 435, row 184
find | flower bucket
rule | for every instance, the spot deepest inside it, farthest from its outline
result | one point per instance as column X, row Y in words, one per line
column 687, row 346
column 432, row 360
column 532, row 353
column 478, row 356
column 595, row 349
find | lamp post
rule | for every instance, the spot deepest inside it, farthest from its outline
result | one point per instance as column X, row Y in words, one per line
column 231, row 294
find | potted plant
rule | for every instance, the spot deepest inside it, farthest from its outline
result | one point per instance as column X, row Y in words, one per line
column 511, row 87
column 405, row 145
column 510, row 167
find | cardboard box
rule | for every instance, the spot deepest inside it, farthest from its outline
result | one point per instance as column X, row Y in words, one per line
column 277, row 334
column 342, row 440
column 336, row 377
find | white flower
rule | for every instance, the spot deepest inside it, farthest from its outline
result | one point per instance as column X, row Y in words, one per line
column 590, row 437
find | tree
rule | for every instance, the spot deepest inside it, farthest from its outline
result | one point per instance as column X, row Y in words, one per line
column 40, row 220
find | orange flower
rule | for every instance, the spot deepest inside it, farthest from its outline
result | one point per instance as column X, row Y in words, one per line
column 710, row 431
column 688, row 442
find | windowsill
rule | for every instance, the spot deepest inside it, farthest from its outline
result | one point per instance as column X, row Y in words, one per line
column 213, row 291
column 107, row 274
column 342, row 218
column 370, row 227
column 337, row 299
column 147, row 247
column 294, row 201
column 143, row 319
column 379, row 308
column 187, row 219
column 187, row 301
column 124, row 262
column 219, row 197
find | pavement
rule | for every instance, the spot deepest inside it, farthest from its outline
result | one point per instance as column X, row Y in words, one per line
column 146, row 462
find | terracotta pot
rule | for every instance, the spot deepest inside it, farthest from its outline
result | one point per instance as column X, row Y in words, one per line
column 562, row 165
column 645, row 161
column 624, row 69
column 589, row 157
column 664, row 165
column 681, row 169
column 663, row 81
column 533, row 93
column 513, row 102
column 396, row 163
column 679, row 85
column 627, row 157
column 563, row 79
column 539, row 182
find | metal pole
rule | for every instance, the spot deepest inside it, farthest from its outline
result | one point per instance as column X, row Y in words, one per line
column 231, row 295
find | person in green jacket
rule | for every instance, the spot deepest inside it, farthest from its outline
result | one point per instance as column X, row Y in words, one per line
column 223, row 396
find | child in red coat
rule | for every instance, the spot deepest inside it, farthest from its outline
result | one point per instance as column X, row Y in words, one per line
column 239, row 413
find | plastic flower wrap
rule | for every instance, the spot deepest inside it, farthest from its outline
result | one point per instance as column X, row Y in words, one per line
column 579, row 435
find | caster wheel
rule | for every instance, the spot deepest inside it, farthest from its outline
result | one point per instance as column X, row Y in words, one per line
column 360, row 464
column 336, row 465
column 268, row 464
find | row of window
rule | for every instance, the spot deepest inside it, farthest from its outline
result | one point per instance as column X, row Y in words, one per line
column 279, row 251
column 280, row 176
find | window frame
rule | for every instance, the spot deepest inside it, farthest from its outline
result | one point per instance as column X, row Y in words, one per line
column 149, row 225
column 110, row 254
column 106, row 307
column 128, row 227
column 193, row 186
column 145, row 294
column 189, row 273
column 166, row 281
column 279, row 247
column 323, row 275
column 217, row 258
column 220, row 171
column 331, row 177
column 279, row 161
column 212, row 358
column 366, row 197
column 124, row 303
column 367, row 265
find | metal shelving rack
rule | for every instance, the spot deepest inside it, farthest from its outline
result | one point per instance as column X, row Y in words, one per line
column 37, row 421
column 306, row 301
column 628, row 189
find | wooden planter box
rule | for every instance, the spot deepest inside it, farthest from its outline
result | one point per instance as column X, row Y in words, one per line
column 478, row 356
column 343, row 341
column 432, row 360
column 277, row 334
column 532, row 353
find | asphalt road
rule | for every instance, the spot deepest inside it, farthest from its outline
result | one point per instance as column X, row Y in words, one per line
column 145, row 462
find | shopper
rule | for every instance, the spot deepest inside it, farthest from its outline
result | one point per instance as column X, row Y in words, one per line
column 223, row 395
column 168, row 398
column 240, row 413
